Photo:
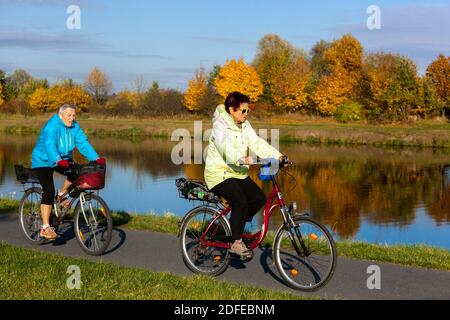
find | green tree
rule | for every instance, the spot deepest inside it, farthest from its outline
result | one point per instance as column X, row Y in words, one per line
column 318, row 62
column 274, row 55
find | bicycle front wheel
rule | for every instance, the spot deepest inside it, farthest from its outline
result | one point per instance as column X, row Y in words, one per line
column 199, row 258
column 313, row 266
column 30, row 215
column 93, row 224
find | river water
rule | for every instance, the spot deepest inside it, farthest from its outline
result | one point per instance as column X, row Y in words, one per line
column 362, row 193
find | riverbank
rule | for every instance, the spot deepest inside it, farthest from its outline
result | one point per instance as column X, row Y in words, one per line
column 407, row 255
column 293, row 129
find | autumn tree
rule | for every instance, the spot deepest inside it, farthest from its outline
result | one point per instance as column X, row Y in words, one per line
column 274, row 55
column 1, row 94
column 318, row 62
column 98, row 85
column 41, row 100
column 343, row 64
column 197, row 89
column 20, row 85
column 238, row 76
column 390, row 87
column 288, row 89
column 50, row 99
column 439, row 74
column 123, row 103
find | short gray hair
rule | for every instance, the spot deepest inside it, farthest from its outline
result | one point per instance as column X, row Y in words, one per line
column 66, row 106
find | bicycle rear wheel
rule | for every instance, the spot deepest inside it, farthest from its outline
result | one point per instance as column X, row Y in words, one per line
column 93, row 224
column 30, row 215
column 207, row 260
column 313, row 268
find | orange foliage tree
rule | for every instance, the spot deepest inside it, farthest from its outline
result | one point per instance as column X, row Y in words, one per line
column 196, row 91
column 238, row 76
column 288, row 89
column 439, row 74
column 1, row 95
column 343, row 63
column 98, row 85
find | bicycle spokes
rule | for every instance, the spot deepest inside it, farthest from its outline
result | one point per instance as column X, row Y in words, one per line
column 199, row 233
column 305, row 254
column 30, row 216
column 92, row 224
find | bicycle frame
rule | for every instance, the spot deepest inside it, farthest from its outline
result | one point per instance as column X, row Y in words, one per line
column 260, row 235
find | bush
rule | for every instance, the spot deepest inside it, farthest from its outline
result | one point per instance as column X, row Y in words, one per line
column 348, row 112
column 15, row 106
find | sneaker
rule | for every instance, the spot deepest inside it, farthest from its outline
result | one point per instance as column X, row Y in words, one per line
column 240, row 249
column 48, row 233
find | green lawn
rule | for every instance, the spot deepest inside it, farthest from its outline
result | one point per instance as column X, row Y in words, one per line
column 31, row 274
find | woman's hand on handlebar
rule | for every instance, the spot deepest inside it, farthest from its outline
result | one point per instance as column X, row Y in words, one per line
column 284, row 161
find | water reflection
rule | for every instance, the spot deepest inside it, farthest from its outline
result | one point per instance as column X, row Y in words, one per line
column 350, row 189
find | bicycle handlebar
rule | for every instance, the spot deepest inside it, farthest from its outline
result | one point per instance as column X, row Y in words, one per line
column 284, row 162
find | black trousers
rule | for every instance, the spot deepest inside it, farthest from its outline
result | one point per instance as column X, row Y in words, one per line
column 45, row 176
column 245, row 198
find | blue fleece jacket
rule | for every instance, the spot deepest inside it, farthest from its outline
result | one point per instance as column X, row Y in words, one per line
column 57, row 141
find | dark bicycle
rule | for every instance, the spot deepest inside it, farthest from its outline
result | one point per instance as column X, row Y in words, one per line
column 92, row 218
column 304, row 251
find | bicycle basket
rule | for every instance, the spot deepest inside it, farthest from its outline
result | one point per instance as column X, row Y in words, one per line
column 25, row 175
column 195, row 190
column 90, row 176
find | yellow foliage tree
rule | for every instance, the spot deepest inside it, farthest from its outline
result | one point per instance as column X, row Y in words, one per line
column 344, row 67
column 196, row 91
column 51, row 99
column 439, row 74
column 73, row 95
column 238, row 76
column 288, row 90
column 41, row 100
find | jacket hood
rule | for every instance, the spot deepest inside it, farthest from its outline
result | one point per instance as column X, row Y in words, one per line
column 221, row 113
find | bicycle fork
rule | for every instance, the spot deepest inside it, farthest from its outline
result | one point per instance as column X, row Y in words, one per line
column 289, row 224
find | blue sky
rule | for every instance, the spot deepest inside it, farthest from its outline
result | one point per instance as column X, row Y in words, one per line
column 168, row 40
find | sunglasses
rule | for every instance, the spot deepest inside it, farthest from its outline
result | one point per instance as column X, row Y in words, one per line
column 245, row 111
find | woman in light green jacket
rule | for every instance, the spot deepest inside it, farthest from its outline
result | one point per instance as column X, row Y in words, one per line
column 228, row 161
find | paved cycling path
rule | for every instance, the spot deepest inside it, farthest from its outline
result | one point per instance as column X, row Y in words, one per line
column 160, row 252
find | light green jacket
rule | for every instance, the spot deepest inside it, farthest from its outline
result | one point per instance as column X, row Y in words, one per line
column 230, row 143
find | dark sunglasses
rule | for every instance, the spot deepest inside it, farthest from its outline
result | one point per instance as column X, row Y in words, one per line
column 245, row 111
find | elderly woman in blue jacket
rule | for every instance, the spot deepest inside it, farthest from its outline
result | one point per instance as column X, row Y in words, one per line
column 53, row 150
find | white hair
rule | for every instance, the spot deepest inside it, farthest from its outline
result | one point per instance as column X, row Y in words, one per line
column 66, row 106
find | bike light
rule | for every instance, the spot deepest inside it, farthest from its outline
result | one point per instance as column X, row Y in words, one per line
column 294, row 272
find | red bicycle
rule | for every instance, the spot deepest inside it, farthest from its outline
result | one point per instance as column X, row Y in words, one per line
column 303, row 249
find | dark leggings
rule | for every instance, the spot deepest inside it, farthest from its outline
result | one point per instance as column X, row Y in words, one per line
column 45, row 176
column 245, row 199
